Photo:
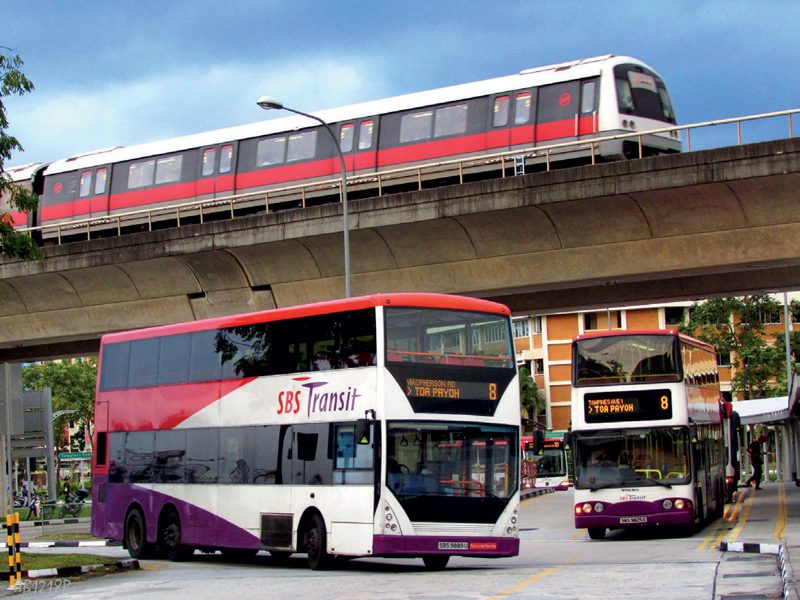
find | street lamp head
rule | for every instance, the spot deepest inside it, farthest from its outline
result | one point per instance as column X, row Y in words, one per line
column 268, row 102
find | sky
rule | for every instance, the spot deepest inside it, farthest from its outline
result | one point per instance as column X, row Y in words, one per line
column 128, row 72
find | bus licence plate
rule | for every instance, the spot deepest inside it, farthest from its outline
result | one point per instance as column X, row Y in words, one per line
column 453, row 545
column 627, row 520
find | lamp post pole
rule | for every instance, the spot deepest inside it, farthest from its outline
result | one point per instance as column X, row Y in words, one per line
column 268, row 103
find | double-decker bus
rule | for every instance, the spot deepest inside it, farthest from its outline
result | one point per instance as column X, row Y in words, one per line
column 549, row 459
column 385, row 425
column 647, row 437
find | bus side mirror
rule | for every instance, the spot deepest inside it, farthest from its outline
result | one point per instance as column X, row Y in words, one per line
column 567, row 438
column 362, row 431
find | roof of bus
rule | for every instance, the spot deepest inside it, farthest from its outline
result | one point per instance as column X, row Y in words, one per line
column 687, row 338
column 319, row 308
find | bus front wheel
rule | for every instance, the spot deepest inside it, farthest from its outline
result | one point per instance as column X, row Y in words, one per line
column 597, row 533
column 317, row 544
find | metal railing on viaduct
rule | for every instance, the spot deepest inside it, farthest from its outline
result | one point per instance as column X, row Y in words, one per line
column 691, row 225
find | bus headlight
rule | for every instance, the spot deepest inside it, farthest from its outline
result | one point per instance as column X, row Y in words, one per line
column 679, row 504
column 586, row 508
column 598, row 508
column 667, row 504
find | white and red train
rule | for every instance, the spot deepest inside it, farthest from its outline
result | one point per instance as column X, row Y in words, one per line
column 579, row 100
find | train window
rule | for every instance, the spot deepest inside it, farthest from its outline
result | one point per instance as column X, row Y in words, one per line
column 168, row 169
column 365, row 135
column 416, row 126
column 208, row 161
column 86, row 184
column 522, row 108
column 302, row 146
column 450, row 120
column 500, row 118
column 100, row 181
column 587, row 96
column 624, row 96
column 141, row 174
column 226, row 159
column 270, row 152
column 346, row 135
column 666, row 105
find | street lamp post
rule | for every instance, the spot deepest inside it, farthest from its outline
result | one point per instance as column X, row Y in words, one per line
column 268, row 103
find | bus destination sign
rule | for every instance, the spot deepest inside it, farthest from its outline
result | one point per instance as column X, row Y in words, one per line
column 450, row 389
column 642, row 405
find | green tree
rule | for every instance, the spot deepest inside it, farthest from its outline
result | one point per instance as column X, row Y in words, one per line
column 72, row 385
column 13, row 243
column 737, row 326
column 532, row 404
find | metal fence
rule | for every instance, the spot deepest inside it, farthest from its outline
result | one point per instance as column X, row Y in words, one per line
column 455, row 169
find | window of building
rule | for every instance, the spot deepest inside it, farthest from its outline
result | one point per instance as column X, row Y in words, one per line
column 538, row 366
column 723, row 359
column 500, row 116
column 770, row 315
column 537, row 324
column 522, row 328
column 270, row 151
column 674, row 315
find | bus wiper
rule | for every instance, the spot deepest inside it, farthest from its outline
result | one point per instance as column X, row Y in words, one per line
column 659, row 482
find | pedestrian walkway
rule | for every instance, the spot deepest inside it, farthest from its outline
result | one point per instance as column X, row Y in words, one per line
column 759, row 537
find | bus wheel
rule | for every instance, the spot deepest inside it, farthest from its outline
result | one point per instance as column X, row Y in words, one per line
column 435, row 562
column 597, row 533
column 317, row 544
column 171, row 539
column 136, row 536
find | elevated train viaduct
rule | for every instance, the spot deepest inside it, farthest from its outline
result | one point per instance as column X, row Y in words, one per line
column 723, row 221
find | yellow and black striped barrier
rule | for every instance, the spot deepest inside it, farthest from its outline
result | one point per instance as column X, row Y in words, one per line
column 14, row 556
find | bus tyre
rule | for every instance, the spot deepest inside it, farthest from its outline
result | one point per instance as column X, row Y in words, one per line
column 597, row 533
column 435, row 562
column 317, row 544
column 171, row 539
column 136, row 536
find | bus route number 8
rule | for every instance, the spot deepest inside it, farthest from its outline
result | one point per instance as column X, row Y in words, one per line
column 664, row 402
column 492, row 391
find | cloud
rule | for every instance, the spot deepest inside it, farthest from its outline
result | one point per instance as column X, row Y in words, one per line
column 55, row 124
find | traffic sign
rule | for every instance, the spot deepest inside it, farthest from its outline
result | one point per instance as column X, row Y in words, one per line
column 74, row 455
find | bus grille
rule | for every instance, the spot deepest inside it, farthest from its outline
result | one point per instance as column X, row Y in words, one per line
column 447, row 529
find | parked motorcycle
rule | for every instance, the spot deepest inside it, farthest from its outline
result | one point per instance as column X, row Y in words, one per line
column 73, row 504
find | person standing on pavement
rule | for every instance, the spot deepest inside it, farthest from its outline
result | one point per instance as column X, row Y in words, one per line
column 757, row 460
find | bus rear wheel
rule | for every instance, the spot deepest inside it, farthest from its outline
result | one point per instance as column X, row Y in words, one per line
column 317, row 544
column 597, row 533
column 136, row 536
column 171, row 539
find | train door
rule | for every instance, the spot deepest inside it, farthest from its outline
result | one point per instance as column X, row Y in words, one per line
column 358, row 142
column 567, row 110
column 523, row 111
column 93, row 190
column 217, row 168
column 498, row 136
